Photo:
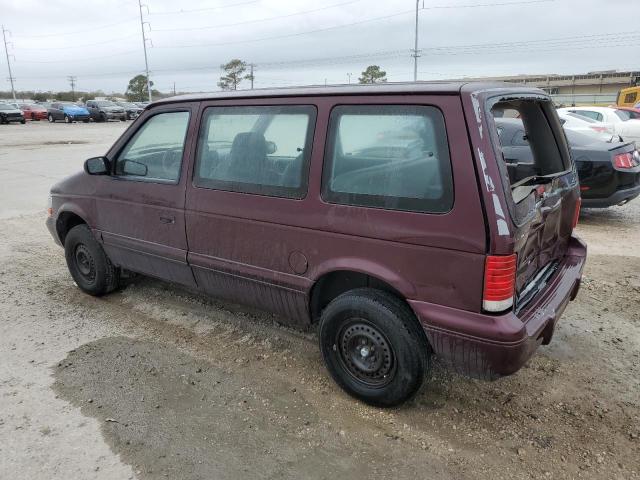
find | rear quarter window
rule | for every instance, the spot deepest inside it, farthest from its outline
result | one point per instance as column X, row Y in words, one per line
column 392, row 157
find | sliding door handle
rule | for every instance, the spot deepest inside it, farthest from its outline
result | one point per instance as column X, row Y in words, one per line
column 167, row 220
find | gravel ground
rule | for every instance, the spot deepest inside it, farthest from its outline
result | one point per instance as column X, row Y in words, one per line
column 155, row 381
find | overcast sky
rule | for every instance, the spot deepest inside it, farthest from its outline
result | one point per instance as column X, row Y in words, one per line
column 309, row 42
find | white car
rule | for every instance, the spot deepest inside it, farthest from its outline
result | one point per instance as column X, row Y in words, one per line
column 587, row 126
column 620, row 121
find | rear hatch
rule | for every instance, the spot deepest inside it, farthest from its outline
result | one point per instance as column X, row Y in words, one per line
column 540, row 185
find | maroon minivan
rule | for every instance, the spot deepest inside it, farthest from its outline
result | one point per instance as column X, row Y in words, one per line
column 385, row 213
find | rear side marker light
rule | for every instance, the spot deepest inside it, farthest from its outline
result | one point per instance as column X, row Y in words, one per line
column 499, row 282
column 576, row 214
column 625, row 160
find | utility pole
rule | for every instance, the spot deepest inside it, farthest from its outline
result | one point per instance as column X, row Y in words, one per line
column 349, row 76
column 251, row 74
column 6, row 51
column 72, row 82
column 144, row 46
column 174, row 89
column 416, row 52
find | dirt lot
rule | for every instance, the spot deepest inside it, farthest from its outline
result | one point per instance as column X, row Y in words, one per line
column 157, row 382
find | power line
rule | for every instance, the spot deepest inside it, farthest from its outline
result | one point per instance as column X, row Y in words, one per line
column 351, row 24
column 259, row 20
column 75, row 32
column 288, row 35
column 88, row 59
column 336, row 60
column 117, row 39
column 178, row 12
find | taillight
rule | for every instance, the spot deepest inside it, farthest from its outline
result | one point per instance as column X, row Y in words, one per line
column 576, row 214
column 625, row 160
column 599, row 129
column 499, row 282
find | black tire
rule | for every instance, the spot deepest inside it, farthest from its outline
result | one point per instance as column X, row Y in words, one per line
column 88, row 264
column 67, row 119
column 374, row 347
column 103, row 117
column 23, row 121
column 50, row 118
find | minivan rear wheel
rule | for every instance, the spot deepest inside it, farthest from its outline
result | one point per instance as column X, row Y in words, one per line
column 374, row 347
column 88, row 263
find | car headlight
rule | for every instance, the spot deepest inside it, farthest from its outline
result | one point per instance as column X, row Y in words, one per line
column 50, row 206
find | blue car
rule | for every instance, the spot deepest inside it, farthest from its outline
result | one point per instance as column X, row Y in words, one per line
column 67, row 111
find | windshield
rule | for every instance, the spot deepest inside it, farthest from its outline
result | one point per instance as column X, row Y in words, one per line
column 4, row 106
column 106, row 104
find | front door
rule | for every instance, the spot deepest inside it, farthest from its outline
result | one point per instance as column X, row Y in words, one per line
column 140, row 206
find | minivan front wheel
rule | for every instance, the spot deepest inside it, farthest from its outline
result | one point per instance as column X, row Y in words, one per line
column 88, row 264
column 374, row 347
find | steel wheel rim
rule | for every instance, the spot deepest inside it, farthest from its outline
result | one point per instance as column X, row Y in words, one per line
column 366, row 353
column 84, row 263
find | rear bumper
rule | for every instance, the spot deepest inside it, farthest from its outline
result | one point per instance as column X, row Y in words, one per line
column 491, row 346
column 614, row 199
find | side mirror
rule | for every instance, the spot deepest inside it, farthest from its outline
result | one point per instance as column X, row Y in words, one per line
column 131, row 167
column 97, row 166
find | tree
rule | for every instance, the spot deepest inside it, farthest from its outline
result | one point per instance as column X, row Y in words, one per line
column 373, row 74
column 137, row 89
column 234, row 74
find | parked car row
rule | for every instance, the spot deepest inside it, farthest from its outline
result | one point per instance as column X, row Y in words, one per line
column 619, row 121
column 96, row 110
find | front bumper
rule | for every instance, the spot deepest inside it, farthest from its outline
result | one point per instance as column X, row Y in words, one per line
column 491, row 346
column 50, row 222
column 616, row 198
column 115, row 116
column 78, row 117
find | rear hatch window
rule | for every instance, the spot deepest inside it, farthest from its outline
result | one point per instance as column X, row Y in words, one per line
column 539, row 174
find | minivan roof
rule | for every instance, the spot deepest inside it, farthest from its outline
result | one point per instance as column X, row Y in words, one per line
column 357, row 89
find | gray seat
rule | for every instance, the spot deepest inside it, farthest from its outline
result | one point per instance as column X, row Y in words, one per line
column 247, row 159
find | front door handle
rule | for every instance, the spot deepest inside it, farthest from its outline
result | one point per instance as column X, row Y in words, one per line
column 167, row 220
